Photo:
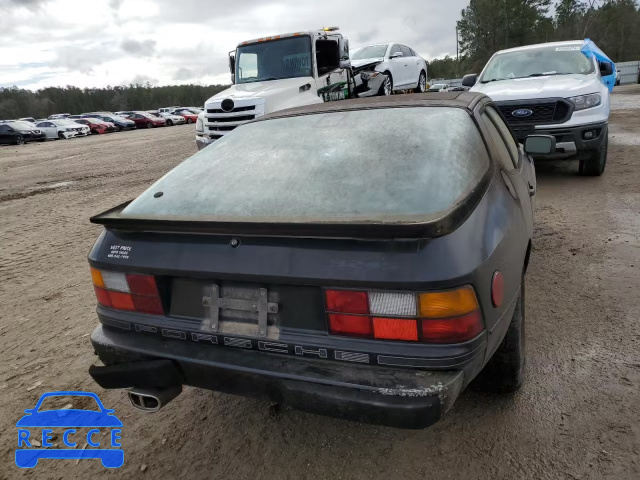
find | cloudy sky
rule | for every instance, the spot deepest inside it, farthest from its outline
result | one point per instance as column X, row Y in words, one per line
column 94, row 43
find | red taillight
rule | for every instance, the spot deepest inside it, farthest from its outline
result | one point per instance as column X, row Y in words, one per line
column 130, row 292
column 347, row 301
column 350, row 325
column 395, row 329
column 452, row 330
column 448, row 316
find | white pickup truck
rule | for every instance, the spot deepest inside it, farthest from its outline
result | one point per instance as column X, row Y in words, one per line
column 284, row 71
column 559, row 89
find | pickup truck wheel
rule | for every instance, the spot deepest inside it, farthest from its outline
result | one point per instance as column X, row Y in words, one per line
column 505, row 370
column 422, row 83
column 594, row 165
column 386, row 88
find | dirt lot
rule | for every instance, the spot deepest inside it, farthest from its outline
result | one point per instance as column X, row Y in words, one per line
column 576, row 417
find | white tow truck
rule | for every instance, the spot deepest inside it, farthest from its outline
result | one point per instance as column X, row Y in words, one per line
column 284, row 71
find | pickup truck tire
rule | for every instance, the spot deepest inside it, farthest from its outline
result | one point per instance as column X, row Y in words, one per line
column 422, row 83
column 595, row 164
column 386, row 88
column 505, row 370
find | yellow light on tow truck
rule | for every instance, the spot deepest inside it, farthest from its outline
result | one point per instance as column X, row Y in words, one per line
column 330, row 29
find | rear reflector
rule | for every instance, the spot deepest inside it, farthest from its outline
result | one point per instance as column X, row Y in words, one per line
column 395, row 329
column 350, row 325
column 497, row 289
column 450, row 303
column 347, row 301
column 452, row 330
column 130, row 292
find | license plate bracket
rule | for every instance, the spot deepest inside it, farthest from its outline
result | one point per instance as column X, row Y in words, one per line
column 215, row 303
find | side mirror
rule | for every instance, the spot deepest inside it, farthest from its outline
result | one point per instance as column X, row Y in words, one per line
column 606, row 69
column 396, row 55
column 469, row 80
column 540, row 144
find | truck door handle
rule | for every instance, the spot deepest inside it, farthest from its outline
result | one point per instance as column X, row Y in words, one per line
column 532, row 189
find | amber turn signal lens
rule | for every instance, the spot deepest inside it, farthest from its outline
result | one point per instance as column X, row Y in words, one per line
column 96, row 277
column 451, row 303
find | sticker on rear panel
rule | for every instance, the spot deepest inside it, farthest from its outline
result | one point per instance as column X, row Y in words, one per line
column 119, row 252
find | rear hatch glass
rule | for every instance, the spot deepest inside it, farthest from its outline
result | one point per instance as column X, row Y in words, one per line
column 377, row 165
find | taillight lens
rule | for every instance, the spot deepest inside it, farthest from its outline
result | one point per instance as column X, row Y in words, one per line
column 451, row 316
column 124, row 291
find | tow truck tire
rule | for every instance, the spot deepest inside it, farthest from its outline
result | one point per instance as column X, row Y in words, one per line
column 386, row 88
column 505, row 370
column 422, row 83
column 594, row 165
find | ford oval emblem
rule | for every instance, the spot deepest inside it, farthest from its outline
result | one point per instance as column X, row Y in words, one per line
column 522, row 113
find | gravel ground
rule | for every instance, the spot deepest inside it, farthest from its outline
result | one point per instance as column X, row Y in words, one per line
column 576, row 417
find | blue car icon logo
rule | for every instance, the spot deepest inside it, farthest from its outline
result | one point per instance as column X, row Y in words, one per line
column 73, row 422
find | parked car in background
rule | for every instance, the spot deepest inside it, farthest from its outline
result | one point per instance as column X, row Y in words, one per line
column 96, row 125
column 146, row 120
column 27, row 119
column 617, row 77
column 56, row 116
column 168, row 109
column 19, row 133
column 62, row 129
column 172, row 119
column 556, row 88
column 73, row 117
column 438, row 87
column 353, row 309
column 121, row 123
column 189, row 115
column 404, row 68
column 196, row 109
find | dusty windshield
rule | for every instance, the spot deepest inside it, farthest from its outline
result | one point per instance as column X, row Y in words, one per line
column 274, row 60
column 327, row 167
column 556, row 60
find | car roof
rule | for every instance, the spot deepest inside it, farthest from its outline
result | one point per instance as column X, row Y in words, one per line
column 466, row 100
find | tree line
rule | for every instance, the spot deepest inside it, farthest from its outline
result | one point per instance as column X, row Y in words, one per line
column 18, row 102
column 486, row 26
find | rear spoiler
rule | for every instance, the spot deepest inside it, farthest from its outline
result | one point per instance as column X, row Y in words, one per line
column 439, row 225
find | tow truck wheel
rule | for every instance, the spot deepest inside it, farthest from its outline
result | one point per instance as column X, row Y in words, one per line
column 505, row 370
column 386, row 88
column 594, row 165
column 422, row 83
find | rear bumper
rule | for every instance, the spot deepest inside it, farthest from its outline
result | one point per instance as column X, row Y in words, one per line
column 393, row 397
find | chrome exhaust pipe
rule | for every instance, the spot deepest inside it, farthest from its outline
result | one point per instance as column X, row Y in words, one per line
column 153, row 399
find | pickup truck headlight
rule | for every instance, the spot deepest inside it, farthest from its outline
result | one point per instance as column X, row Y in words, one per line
column 199, row 124
column 583, row 102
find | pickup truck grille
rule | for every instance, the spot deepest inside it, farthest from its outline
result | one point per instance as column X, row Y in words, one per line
column 543, row 112
column 219, row 122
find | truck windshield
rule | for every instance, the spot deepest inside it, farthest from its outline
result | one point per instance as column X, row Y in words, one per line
column 274, row 60
column 537, row 62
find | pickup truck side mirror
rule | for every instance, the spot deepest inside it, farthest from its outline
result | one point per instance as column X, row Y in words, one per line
column 469, row 80
column 606, row 69
column 395, row 55
column 540, row 144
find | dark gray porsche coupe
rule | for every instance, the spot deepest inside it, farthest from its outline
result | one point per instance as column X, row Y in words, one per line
column 362, row 259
